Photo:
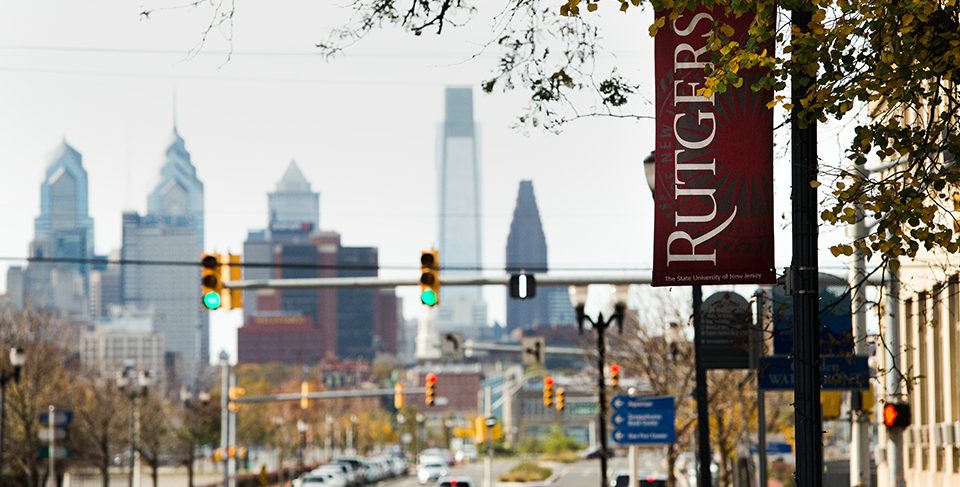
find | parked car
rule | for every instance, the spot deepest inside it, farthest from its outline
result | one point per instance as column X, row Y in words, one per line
column 427, row 472
column 455, row 482
column 355, row 476
column 622, row 479
column 310, row 480
column 335, row 474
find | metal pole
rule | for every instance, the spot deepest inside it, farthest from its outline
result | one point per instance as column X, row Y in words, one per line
column 761, row 397
column 860, row 427
column 806, row 343
column 137, row 470
column 232, row 438
column 488, row 458
column 601, row 327
column 225, row 413
column 891, row 328
column 51, row 426
column 3, row 402
column 133, row 435
column 703, row 411
column 633, row 454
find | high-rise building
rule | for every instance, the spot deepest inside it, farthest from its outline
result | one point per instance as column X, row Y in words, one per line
column 329, row 323
column 293, row 204
column 172, row 230
column 64, row 230
column 527, row 251
column 458, row 195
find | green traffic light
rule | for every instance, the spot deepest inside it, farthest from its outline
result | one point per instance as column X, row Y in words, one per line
column 428, row 297
column 211, row 300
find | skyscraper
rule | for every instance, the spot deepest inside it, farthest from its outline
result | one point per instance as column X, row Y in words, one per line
column 293, row 204
column 458, row 174
column 172, row 230
column 63, row 230
column 527, row 251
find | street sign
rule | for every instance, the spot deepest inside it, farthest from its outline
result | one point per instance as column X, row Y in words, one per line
column 43, row 434
column 836, row 323
column 60, row 418
column 533, row 350
column 836, row 373
column 59, row 453
column 644, row 420
column 523, row 286
column 774, row 448
column 725, row 331
column 451, row 346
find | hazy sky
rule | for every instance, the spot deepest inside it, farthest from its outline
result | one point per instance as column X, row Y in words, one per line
column 363, row 129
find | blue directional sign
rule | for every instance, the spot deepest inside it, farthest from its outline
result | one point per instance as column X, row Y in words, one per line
column 644, row 420
column 848, row 372
column 61, row 418
column 774, row 448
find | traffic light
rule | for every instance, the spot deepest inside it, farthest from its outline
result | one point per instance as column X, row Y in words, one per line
column 430, row 277
column 615, row 375
column 548, row 391
column 896, row 415
column 523, row 286
column 430, row 395
column 234, row 273
column 304, row 390
column 561, row 398
column 398, row 396
column 233, row 394
column 211, row 282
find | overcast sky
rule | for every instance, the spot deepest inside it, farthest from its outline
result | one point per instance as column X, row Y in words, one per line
column 363, row 129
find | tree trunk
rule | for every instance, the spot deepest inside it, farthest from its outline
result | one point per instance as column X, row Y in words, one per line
column 671, row 465
column 189, row 464
column 154, row 467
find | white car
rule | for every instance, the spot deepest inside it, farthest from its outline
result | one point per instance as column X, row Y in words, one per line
column 431, row 471
column 310, row 480
column 334, row 474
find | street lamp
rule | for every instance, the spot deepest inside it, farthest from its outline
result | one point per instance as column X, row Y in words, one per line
column 302, row 429
column 134, row 384
column 421, row 419
column 578, row 297
column 18, row 357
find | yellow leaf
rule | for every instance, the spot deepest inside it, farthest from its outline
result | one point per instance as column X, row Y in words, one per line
column 592, row 7
column 727, row 30
column 814, row 184
column 907, row 19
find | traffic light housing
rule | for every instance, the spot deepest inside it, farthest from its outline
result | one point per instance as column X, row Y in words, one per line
column 211, row 282
column 304, row 390
column 896, row 415
column 234, row 273
column 523, row 286
column 561, row 398
column 430, row 277
column 233, row 394
column 430, row 395
column 548, row 391
column 398, row 396
column 615, row 375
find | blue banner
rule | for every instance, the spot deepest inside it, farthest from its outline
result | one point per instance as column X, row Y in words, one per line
column 644, row 420
column 850, row 372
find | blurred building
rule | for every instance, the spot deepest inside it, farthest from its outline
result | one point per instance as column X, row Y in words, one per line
column 172, row 230
column 462, row 309
column 289, row 339
column 64, row 230
column 106, row 288
column 353, row 323
column 457, row 386
column 527, row 251
column 126, row 335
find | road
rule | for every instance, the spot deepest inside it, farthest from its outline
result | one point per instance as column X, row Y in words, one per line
column 579, row 474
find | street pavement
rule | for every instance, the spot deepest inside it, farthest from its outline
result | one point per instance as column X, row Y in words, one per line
column 580, row 474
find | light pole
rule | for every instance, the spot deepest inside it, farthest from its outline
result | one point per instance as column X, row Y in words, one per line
column 700, row 392
column 134, row 384
column 578, row 296
column 190, row 405
column 353, row 433
column 400, row 421
column 18, row 357
column 420, row 420
column 302, row 429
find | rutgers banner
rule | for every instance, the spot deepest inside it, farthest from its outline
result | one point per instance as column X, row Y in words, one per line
column 714, row 165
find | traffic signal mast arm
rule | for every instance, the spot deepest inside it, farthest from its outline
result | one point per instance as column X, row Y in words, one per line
column 382, row 282
column 296, row 396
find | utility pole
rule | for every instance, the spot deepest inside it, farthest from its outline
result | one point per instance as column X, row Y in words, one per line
column 804, row 276
column 891, row 327
column 225, row 413
column 703, row 411
column 860, row 426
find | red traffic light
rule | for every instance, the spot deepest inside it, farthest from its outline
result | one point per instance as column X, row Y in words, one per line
column 431, row 378
column 548, row 380
column 615, row 369
column 896, row 415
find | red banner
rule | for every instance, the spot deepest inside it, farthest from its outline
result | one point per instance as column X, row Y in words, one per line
column 713, row 198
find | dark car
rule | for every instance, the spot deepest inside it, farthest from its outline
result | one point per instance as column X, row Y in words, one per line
column 594, row 453
column 623, row 480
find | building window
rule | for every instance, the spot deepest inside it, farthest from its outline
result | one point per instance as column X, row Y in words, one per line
column 908, row 371
column 920, row 328
column 938, row 384
column 953, row 320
